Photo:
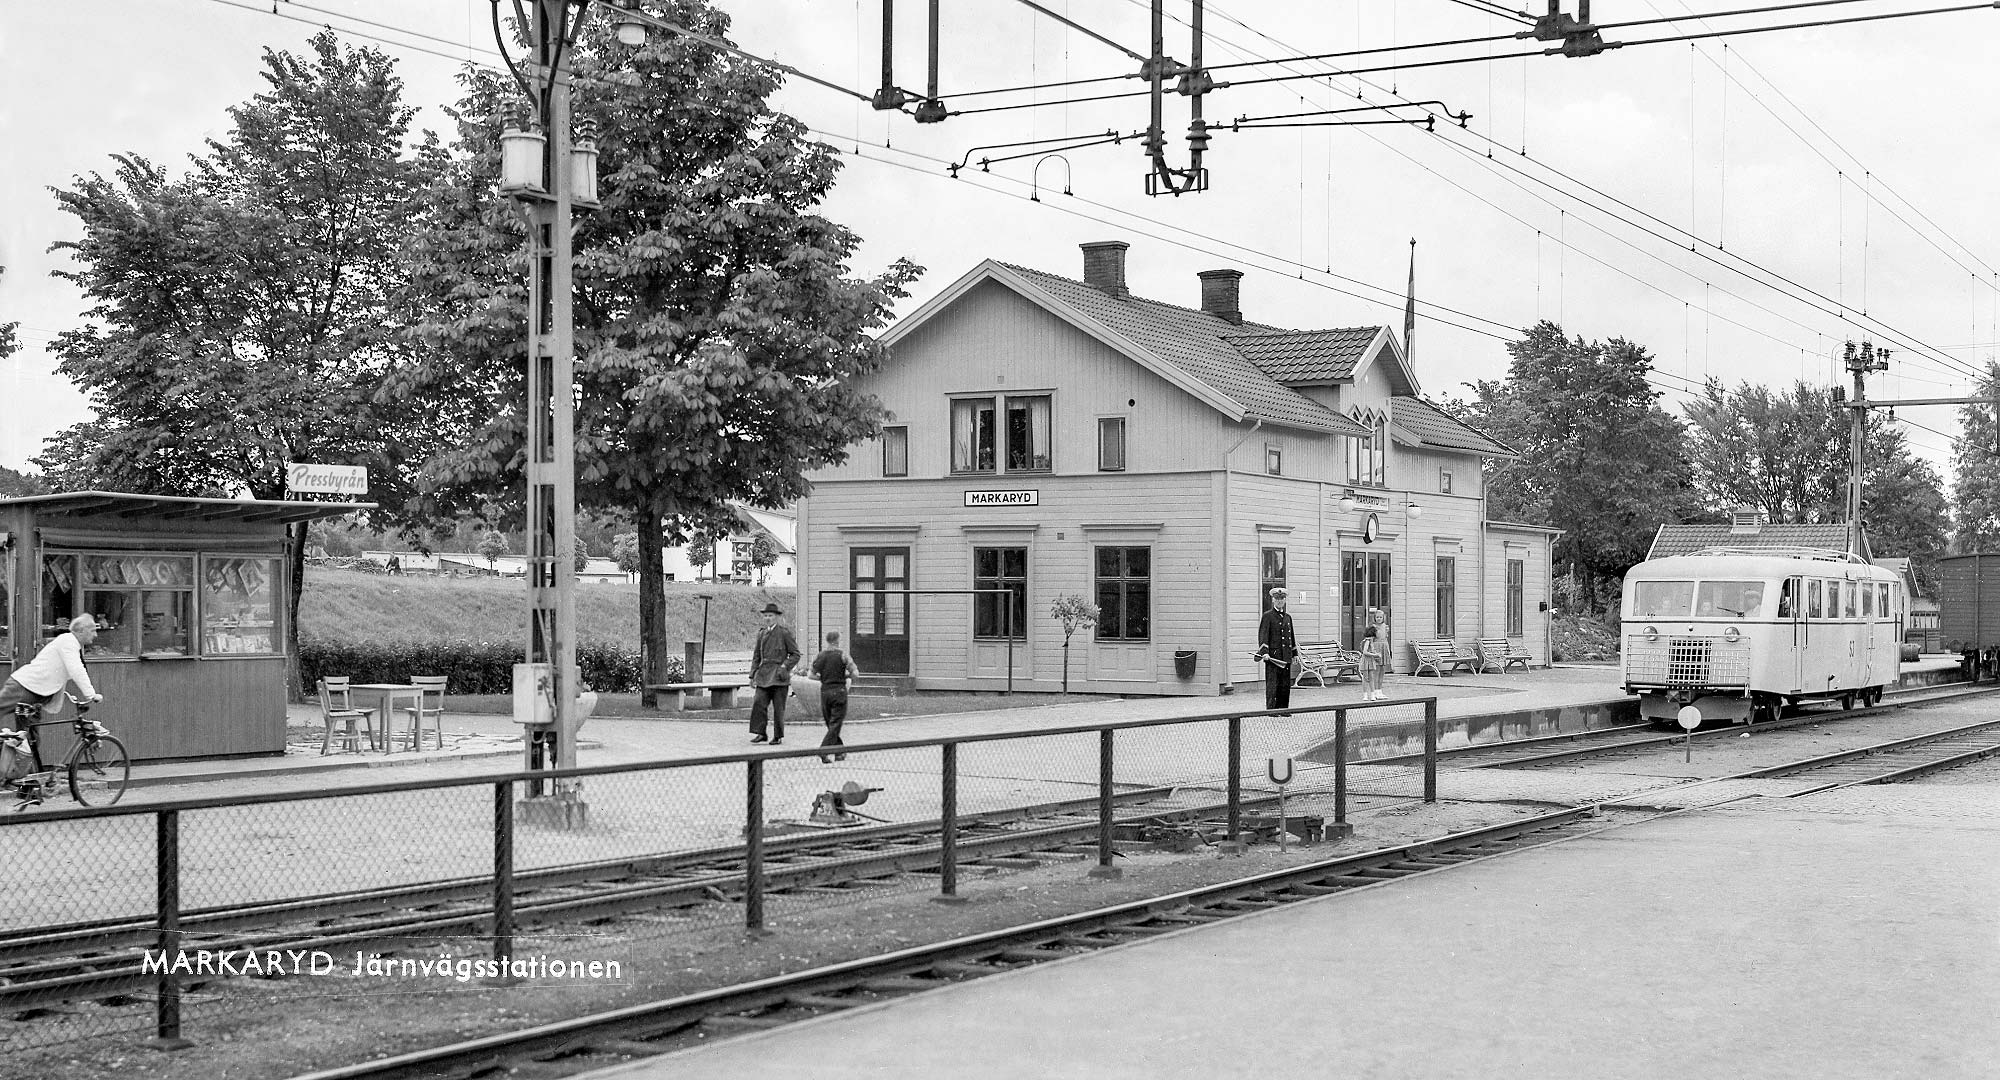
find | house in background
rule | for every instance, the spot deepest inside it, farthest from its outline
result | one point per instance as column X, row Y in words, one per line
column 729, row 561
column 595, row 571
column 1054, row 437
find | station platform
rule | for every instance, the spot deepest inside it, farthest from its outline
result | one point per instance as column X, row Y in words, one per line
column 1849, row 934
column 1472, row 707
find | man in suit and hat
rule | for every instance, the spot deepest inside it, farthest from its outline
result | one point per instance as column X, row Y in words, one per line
column 771, row 661
column 1277, row 646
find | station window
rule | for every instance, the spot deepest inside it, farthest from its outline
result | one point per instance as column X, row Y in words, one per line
column 1444, row 481
column 1000, row 568
column 1124, row 593
column 1110, row 444
column 895, row 451
column 1447, row 597
column 1517, row 579
column 977, row 428
column 1272, row 574
column 1274, row 459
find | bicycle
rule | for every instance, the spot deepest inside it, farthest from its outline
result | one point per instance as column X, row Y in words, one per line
column 97, row 766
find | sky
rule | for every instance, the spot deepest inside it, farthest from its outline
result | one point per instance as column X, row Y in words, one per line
column 1741, row 206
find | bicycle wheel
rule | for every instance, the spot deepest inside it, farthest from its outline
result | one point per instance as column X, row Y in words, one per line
column 98, row 771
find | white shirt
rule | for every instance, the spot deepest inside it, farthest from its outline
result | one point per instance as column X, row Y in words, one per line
column 59, row 661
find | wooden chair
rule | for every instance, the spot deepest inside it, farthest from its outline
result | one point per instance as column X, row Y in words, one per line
column 337, row 707
column 430, row 706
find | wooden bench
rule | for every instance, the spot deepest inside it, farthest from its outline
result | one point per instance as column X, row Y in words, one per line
column 1441, row 656
column 1495, row 654
column 1323, row 658
column 721, row 695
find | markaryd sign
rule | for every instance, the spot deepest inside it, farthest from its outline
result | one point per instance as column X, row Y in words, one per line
column 1003, row 498
column 305, row 479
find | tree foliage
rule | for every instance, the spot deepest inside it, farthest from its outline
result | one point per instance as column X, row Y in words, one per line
column 625, row 549
column 241, row 314
column 1600, row 459
column 763, row 553
column 1976, row 464
column 719, row 330
column 1787, row 453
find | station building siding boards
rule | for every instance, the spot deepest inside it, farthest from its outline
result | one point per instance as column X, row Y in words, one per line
column 1174, row 459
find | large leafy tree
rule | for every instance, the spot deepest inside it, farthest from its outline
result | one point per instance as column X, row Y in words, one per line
column 242, row 314
column 1787, row 453
column 719, row 329
column 1600, row 459
column 1976, row 465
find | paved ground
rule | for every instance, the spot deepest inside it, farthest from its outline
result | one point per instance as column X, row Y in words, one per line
column 1844, row 935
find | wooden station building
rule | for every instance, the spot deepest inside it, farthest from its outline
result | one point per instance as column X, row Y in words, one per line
column 1055, row 437
column 190, row 596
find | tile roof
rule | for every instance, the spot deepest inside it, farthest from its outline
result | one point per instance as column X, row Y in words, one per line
column 1193, row 341
column 1688, row 539
column 1296, row 357
column 1435, row 427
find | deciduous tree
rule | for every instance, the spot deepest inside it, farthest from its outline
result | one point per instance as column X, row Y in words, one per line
column 241, row 315
column 719, row 329
column 1976, row 464
column 1600, row 458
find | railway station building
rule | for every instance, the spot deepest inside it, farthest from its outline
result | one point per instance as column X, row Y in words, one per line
column 1055, row 437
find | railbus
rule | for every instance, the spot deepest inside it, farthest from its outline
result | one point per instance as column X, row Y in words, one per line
column 1741, row 633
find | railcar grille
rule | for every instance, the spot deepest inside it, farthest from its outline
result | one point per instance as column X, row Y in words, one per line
column 1686, row 661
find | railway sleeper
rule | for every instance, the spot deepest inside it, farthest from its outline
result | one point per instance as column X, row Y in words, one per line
column 899, row 984
column 820, row 1001
column 740, row 1022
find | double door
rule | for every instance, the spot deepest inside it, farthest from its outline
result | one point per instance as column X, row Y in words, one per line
column 878, row 629
column 1364, row 584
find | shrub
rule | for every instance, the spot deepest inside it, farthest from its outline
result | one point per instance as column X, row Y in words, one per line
column 471, row 667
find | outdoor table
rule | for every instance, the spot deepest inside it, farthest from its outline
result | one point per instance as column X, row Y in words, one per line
column 386, row 695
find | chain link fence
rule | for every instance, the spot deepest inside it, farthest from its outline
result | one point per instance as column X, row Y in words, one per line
column 147, row 919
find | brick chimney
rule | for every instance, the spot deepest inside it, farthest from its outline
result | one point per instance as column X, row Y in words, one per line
column 1104, row 267
column 1219, row 294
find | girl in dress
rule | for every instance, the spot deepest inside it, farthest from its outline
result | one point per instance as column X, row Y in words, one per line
column 1371, row 665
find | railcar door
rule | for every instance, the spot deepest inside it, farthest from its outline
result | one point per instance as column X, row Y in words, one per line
column 1801, row 629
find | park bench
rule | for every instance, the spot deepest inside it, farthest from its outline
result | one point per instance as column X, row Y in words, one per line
column 1495, row 654
column 1326, row 658
column 1441, row 655
column 721, row 695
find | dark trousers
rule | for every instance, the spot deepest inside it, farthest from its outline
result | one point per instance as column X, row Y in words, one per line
column 770, row 700
column 1277, row 686
column 833, row 707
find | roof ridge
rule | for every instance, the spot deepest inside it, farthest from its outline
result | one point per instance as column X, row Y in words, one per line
column 1129, row 296
column 1376, row 329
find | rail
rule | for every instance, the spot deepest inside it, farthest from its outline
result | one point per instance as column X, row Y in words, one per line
column 520, row 833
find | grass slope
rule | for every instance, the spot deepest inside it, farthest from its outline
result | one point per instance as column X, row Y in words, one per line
column 348, row 606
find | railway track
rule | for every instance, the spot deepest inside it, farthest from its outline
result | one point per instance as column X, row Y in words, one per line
column 50, row 965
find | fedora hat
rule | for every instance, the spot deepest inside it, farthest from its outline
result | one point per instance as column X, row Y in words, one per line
column 772, row 609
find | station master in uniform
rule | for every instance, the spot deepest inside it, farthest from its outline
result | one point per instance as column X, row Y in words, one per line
column 1278, row 649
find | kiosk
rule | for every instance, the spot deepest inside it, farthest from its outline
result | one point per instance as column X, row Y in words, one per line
column 190, row 595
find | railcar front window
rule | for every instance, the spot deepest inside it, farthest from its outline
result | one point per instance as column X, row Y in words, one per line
column 1662, row 599
column 1729, row 599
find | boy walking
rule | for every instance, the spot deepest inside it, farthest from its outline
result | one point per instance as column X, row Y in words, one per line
column 833, row 668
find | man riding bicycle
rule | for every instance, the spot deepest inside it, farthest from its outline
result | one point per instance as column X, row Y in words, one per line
column 60, row 662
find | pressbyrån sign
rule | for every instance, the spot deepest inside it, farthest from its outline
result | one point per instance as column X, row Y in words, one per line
column 326, row 479
column 1003, row 498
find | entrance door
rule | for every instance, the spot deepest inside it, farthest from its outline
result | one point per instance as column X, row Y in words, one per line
column 878, row 629
column 1364, row 584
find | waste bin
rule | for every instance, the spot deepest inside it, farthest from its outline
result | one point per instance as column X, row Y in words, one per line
column 1184, row 663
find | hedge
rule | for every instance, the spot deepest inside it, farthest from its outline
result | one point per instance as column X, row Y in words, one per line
column 473, row 667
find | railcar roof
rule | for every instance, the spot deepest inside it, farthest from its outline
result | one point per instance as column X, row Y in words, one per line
column 1717, row 566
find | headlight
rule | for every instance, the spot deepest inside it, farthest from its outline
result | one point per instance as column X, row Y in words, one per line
column 1652, row 633
column 1731, row 634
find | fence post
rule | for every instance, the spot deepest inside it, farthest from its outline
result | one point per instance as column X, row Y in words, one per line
column 1341, row 828
column 167, row 894
column 1235, row 842
column 948, row 868
column 753, row 850
column 1431, row 750
column 503, row 883
column 1105, row 852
